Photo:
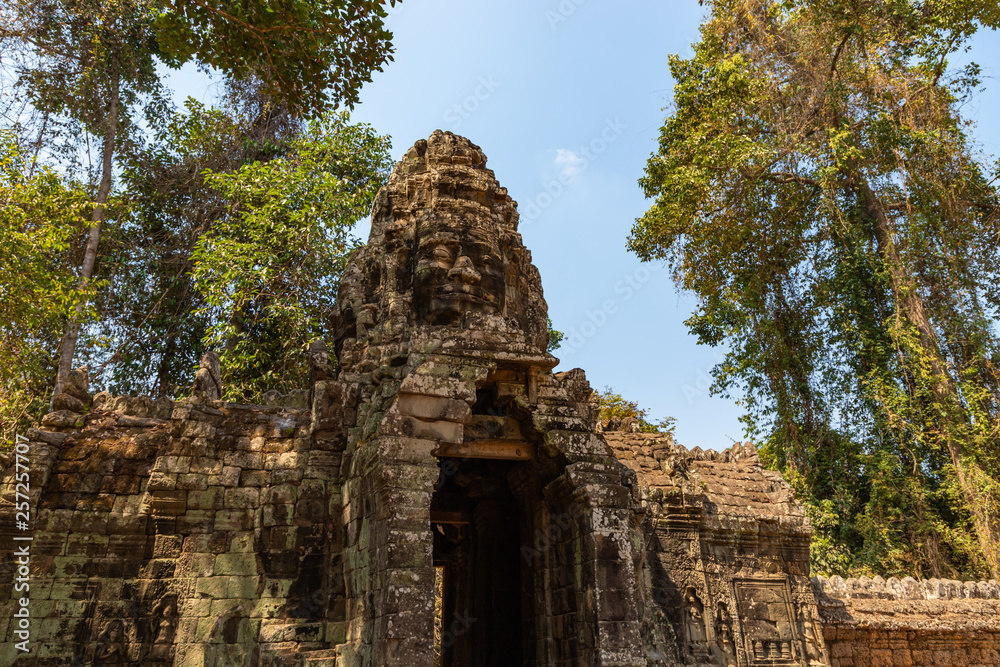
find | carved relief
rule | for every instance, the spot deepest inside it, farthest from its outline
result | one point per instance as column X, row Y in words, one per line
column 443, row 251
column 112, row 645
column 767, row 619
column 694, row 617
column 459, row 270
column 724, row 634
column 165, row 625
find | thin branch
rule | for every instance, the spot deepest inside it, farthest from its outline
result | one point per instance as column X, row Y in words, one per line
column 836, row 55
column 788, row 177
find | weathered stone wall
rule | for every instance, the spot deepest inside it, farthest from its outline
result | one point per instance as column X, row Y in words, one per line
column 904, row 622
column 726, row 567
column 203, row 538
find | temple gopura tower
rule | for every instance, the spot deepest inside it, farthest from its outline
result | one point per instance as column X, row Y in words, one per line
column 436, row 497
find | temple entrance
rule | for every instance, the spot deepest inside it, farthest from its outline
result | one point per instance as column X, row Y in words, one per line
column 478, row 525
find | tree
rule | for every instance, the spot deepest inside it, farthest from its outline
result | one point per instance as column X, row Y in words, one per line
column 149, row 334
column 94, row 63
column 816, row 189
column 312, row 54
column 40, row 214
column 555, row 337
column 268, row 270
column 612, row 405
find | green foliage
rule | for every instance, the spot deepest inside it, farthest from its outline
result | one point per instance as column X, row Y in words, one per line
column 87, row 57
column 555, row 337
column 612, row 405
column 815, row 188
column 88, row 73
column 268, row 270
column 40, row 215
column 147, row 339
column 310, row 53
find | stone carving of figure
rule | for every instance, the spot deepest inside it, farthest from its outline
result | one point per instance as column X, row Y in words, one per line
column 459, row 270
column 443, row 252
column 208, row 378
column 724, row 633
column 111, row 647
column 694, row 615
column 813, row 638
column 164, row 640
column 724, row 628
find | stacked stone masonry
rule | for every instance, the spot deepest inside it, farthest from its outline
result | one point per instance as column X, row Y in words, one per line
column 435, row 479
column 908, row 622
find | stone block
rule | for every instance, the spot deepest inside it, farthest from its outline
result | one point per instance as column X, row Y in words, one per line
column 167, row 546
column 241, row 498
column 211, row 498
column 192, row 481
column 277, row 515
column 411, row 427
column 243, row 564
column 198, row 429
column 244, row 460
column 243, row 587
column 196, row 521
column 255, row 478
column 411, row 450
column 444, row 387
column 161, row 481
column 214, row 587
column 229, row 477
column 433, row 408
column 196, row 565
column 167, row 503
column 281, row 493
column 205, row 465
column 233, row 519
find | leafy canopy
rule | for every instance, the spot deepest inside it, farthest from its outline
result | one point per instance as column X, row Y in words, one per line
column 40, row 213
column 310, row 53
column 268, row 270
column 816, row 189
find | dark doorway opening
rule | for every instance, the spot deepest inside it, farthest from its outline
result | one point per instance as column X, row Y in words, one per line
column 478, row 525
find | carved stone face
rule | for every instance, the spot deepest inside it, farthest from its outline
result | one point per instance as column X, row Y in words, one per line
column 459, row 269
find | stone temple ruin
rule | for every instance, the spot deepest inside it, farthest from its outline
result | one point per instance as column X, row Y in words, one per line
column 436, row 497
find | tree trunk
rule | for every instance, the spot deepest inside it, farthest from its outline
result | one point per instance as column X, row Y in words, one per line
column 67, row 346
column 911, row 306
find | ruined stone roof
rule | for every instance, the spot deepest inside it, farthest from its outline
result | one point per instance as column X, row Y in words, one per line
column 731, row 483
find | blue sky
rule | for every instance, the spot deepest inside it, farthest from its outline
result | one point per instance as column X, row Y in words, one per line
column 566, row 98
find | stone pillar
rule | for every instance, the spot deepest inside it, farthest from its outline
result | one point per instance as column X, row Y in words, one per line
column 608, row 564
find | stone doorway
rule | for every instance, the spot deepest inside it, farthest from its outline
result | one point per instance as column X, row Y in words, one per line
column 478, row 525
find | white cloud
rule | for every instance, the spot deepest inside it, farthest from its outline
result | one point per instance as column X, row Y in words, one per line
column 569, row 163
